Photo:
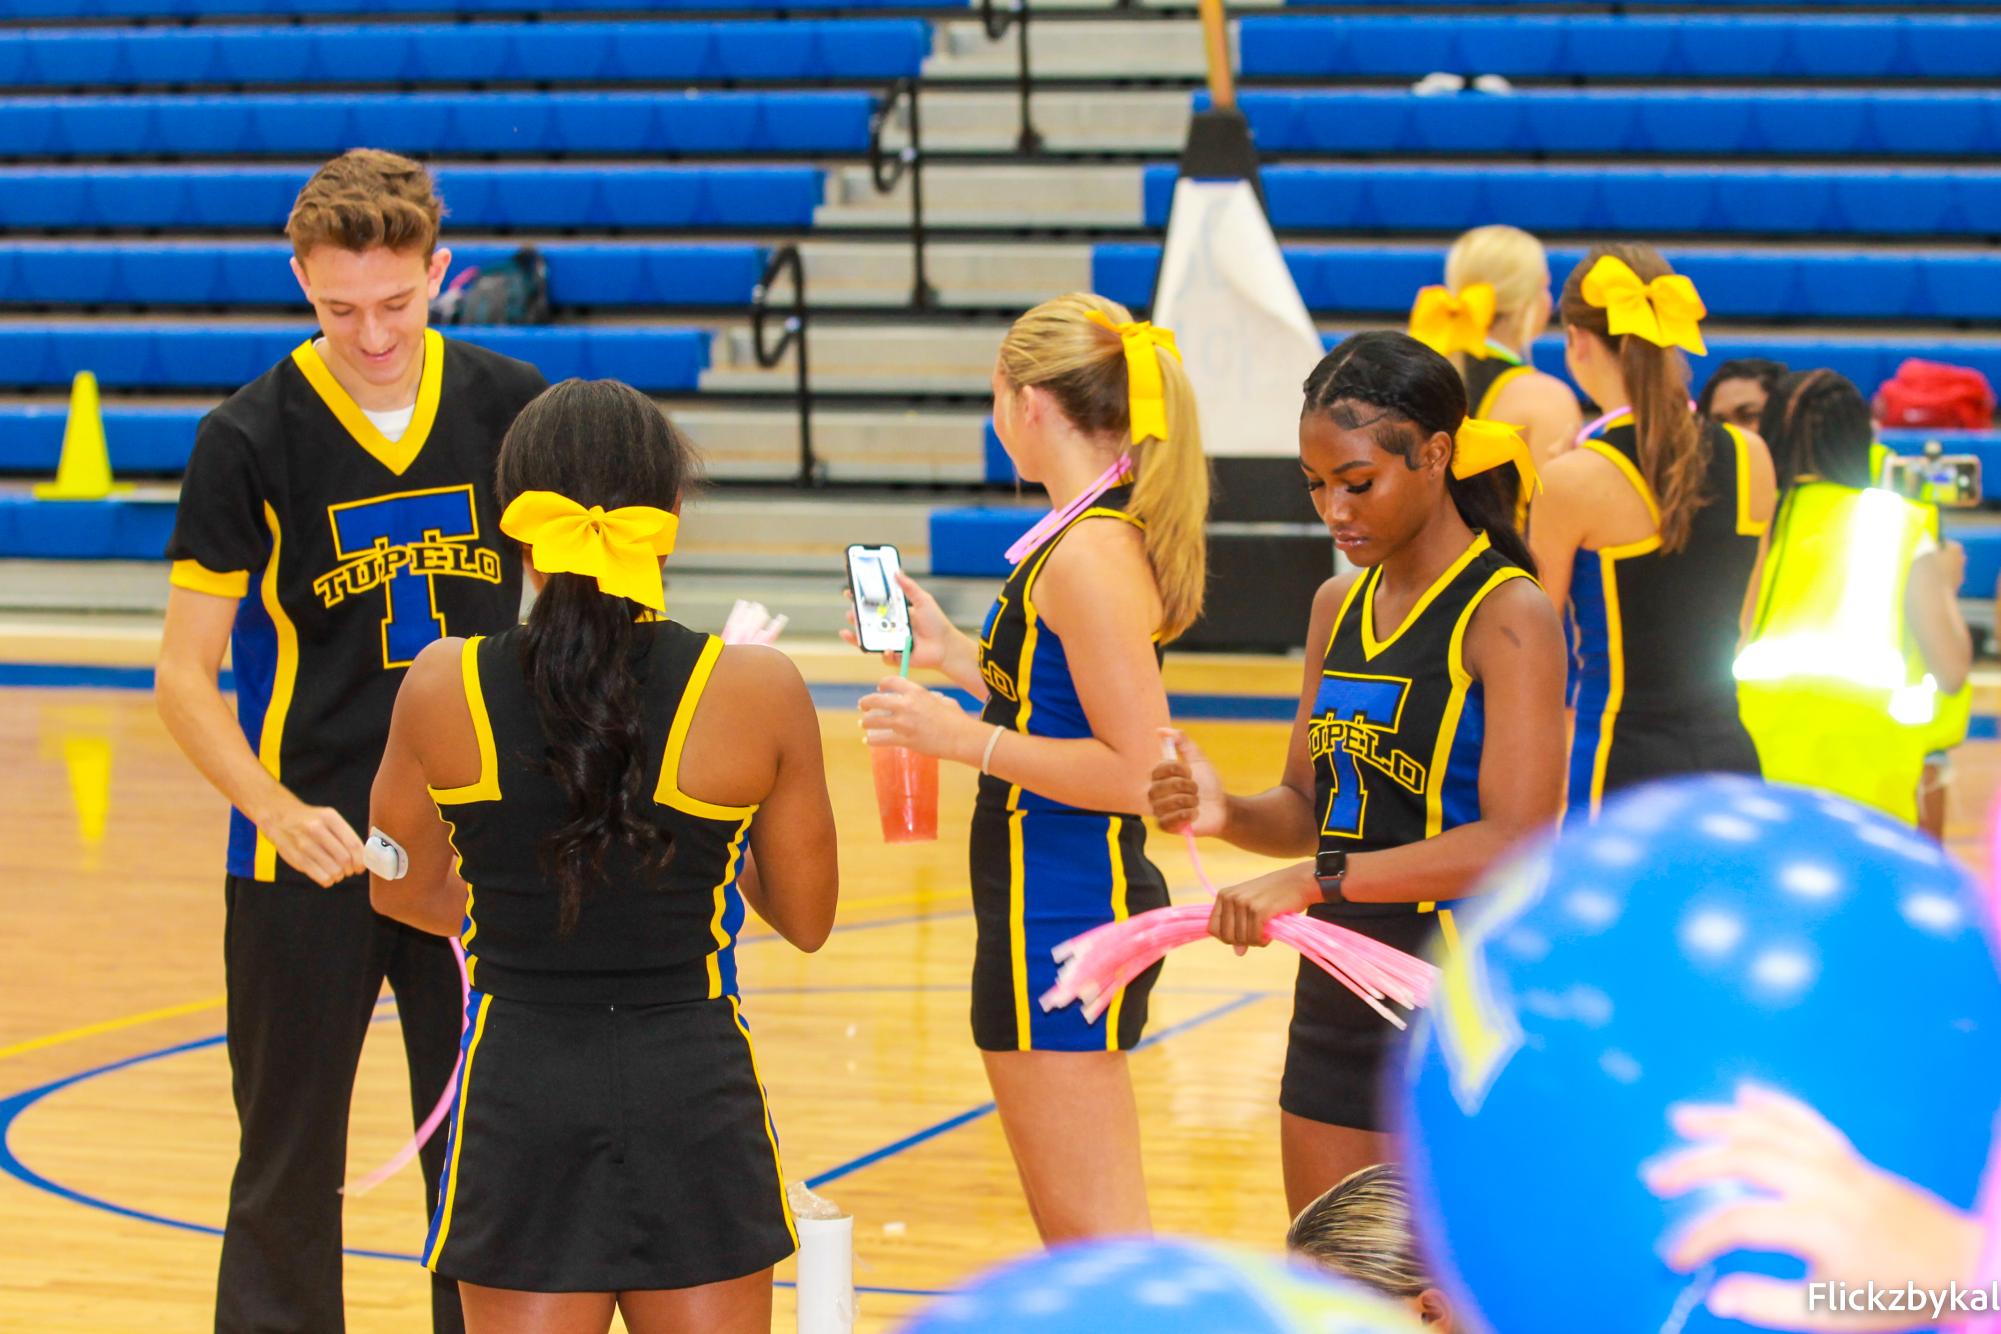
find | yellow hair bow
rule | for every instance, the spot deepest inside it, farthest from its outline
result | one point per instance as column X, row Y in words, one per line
column 1447, row 321
column 620, row 548
column 1146, row 396
column 1666, row 312
column 1480, row 445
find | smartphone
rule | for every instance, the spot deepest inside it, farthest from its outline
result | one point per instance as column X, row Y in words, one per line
column 882, row 617
column 1935, row 477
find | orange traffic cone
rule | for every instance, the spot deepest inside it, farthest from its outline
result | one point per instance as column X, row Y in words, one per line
column 84, row 471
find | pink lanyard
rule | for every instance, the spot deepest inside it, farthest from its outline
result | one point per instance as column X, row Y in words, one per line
column 1592, row 428
column 1056, row 519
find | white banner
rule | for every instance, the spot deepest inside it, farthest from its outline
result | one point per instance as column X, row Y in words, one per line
column 1237, row 316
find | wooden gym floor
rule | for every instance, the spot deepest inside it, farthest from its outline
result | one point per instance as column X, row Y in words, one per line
column 117, row 1136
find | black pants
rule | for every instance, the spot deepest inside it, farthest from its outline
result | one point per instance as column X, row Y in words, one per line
column 305, row 966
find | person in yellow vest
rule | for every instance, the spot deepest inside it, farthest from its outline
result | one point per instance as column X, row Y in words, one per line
column 1485, row 319
column 1856, row 642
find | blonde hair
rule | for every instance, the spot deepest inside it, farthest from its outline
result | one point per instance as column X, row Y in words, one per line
column 1507, row 259
column 1673, row 449
column 365, row 198
column 1081, row 365
column 1361, row 1229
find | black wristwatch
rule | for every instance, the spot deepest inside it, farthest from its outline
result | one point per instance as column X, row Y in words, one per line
column 1330, row 869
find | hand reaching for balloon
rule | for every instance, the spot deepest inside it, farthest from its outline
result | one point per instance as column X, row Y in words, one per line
column 1185, row 793
column 1819, row 1200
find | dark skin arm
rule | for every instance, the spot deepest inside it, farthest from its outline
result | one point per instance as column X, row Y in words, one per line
column 1279, row 822
column 1514, row 649
column 430, row 733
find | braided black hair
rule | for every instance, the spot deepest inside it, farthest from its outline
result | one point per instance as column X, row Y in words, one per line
column 1817, row 424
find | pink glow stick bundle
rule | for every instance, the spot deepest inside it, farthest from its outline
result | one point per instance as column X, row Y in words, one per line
column 1104, row 959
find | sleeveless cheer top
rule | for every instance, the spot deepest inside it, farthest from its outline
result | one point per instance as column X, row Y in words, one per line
column 647, row 934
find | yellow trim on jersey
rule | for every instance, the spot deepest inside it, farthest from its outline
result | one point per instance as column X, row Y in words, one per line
column 458, row 1136
column 1448, row 931
column 770, row 1126
column 1746, row 525
column 1372, row 649
column 396, row 455
column 1501, row 381
column 732, row 860
column 1455, row 704
column 1615, row 654
column 471, row 927
column 1633, row 475
column 668, row 791
column 1120, row 912
column 284, row 678
column 487, row 786
column 1017, row 924
column 198, row 578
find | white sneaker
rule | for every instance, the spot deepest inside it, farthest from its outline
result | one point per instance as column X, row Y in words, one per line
column 1438, row 84
column 1494, row 84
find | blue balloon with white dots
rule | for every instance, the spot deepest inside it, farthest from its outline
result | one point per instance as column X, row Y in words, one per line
column 1702, row 932
column 1153, row 1285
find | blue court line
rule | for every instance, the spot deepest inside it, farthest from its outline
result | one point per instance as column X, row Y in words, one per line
column 1211, row 707
column 12, row 1107
column 972, row 1114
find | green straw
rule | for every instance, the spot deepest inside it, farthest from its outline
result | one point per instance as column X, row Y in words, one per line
column 909, row 647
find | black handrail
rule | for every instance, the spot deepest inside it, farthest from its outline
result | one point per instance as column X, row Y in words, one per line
column 887, row 169
column 784, row 258
column 997, row 21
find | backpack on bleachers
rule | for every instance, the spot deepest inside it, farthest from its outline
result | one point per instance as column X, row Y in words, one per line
column 1932, row 395
column 514, row 291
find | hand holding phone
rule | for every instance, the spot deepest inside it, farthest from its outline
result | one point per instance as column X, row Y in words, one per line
column 881, row 612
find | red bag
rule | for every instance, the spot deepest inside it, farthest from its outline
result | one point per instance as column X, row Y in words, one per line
column 1934, row 396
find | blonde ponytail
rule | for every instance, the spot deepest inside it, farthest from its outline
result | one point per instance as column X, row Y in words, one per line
column 1081, row 364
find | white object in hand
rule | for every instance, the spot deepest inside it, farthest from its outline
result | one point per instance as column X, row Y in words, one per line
column 384, row 856
column 752, row 623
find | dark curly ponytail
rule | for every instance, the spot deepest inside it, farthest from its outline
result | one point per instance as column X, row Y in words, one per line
column 598, row 442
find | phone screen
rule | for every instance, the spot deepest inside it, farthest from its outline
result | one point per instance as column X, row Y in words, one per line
column 882, row 620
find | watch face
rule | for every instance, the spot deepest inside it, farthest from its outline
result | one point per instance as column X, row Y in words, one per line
column 1331, row 865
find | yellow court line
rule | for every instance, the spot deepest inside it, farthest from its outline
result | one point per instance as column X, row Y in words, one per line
column 111, row 1026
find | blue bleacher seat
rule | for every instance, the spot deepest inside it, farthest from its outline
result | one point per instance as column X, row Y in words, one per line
column 594, row 197
column 140, row 440
column 437, row 123
column 1938, row 122
column 972, row 541
column 118, row 529
column 1642, row 201
column 71, row 10
column 1599, row 46
column 257, row 274
column 125, row 356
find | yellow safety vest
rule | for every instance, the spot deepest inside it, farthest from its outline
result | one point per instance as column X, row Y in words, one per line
column 1831, row 685
column 1955, row 711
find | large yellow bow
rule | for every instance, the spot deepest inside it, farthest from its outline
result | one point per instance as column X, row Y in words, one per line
column 620, row 548
column 1666, row 312
column 1447, row 321
column 1146, row 397
column 1481, row 444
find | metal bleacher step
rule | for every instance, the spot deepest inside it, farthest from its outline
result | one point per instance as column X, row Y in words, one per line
column 1042, row 197
column 1123, row 121
column 870, row 357
column 759, row 442
column 1074, row 48
column 879, row 273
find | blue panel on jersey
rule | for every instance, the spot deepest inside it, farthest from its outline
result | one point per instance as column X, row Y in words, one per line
column 253, row 655
column 395, row 526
